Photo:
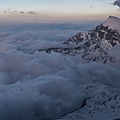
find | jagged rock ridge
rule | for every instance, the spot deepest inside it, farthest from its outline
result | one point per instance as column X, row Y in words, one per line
column 95, row 44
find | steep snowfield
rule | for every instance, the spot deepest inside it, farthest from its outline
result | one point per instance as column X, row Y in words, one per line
column 104, row 104
column 112, row 23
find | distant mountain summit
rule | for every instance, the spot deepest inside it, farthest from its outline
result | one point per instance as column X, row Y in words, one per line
column 109, row 31
column 95, row 44
column 112, row 23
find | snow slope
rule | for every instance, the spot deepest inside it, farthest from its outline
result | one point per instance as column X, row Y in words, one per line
column 101, row 106
column 112, row 23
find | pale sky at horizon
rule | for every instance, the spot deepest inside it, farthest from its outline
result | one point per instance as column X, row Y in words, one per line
column 57, row 10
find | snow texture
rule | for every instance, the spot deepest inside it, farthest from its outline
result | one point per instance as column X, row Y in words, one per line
column 113, row 23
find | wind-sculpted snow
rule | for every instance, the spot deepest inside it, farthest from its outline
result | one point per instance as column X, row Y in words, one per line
column 39, row 86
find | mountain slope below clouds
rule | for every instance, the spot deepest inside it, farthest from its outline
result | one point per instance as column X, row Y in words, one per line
column 94, row 45
column 101, row 44
column 102, row 106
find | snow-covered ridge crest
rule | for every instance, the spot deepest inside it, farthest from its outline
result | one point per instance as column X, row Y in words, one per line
column 112, row 23
column 94, row 45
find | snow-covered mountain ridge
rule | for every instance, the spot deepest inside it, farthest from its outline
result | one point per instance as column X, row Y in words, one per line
column 112, row 23
column 102, row 95
column 95, row 44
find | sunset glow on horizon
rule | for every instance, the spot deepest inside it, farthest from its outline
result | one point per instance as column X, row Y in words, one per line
column 56, row 11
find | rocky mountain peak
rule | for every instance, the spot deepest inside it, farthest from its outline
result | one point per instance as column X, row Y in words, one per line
column 107, row 32
column 112, row 23
column 95, row 44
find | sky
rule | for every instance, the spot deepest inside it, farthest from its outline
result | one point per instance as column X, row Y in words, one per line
column 57, row 11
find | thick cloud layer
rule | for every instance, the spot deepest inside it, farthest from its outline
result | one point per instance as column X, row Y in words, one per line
column 117, row 2
column 38, row 86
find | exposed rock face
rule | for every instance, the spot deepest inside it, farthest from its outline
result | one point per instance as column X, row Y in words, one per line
column 95, row 44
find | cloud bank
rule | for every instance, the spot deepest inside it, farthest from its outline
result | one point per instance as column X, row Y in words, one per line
column 117, row 2
column 39, row 86
column 31, row 12
column 19, row 12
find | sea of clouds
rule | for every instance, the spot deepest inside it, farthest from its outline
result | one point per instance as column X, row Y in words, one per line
column 39, row 86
